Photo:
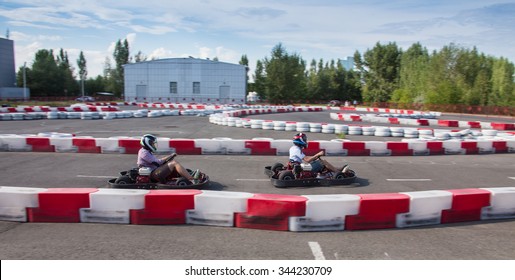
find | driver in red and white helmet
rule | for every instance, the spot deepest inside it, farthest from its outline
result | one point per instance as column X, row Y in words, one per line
column 297, row 156
column 160, row 170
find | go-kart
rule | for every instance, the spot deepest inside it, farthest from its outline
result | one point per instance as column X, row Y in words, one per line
column 300, row 175
column 139, row 178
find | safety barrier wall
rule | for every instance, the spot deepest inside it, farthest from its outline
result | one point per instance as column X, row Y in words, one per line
column 422, row 120
column 255, row 146
column 256, row 211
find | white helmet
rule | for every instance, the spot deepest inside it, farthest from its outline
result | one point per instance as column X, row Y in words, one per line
column 149, row 142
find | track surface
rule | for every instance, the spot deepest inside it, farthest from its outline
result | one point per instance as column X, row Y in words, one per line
column 478, row 240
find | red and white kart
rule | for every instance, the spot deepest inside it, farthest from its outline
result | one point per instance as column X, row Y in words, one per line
column 283, row 176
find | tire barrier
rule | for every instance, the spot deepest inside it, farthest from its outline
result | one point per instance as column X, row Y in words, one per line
column 421, row 120
column 67, row 143
column 301, row 213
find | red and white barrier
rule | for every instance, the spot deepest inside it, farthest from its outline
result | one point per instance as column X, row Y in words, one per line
column 112, row 205
column 217, row 208
column 257, row 211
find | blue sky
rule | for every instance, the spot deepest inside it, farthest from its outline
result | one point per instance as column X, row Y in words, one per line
column 228, row 29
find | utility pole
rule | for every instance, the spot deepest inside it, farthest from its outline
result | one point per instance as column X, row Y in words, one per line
column 24, row 81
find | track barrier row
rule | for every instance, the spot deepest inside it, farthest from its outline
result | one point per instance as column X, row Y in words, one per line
column 279, row 212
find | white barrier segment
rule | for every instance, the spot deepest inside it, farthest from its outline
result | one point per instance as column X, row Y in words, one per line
column 485, row 146
column 502, row 204
column 112, row 205
column 163, row 146
column 15, row 200
column 419, row 147
column 109, row 145
column 16, row 143
column 217, row 208
column 326, row 212
column 332, row 148
column 377, row 148
column 425, row 208
column 511, row 146
column 63, row 144
column 282, row 146
column 235, row 147
column 210, row 146
column 452, row 147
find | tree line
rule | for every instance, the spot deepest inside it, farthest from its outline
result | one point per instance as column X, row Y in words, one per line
column 54, row 75
column 384, row 73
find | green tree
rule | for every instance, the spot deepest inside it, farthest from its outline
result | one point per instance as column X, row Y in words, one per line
column 260, row 80
column 121, row 57
column 245, row 61
column 412, row 76
column 286, row 81
column 503, row 87
column 83, row 72
column 68, row 83
column 44, row 76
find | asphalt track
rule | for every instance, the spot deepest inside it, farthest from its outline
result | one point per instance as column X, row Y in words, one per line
column 488, row 240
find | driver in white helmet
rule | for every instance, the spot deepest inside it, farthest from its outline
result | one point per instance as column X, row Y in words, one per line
column 297, row 156
column 161, row 171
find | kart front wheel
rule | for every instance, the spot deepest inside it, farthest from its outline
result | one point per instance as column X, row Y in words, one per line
column 277, row 167
column 286, row 176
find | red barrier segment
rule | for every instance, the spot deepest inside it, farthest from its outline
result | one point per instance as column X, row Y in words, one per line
column 86, row 145
column 399, row 148
column 60, row 205
column 130, row 146
column 271, row 211
column 448, row 123
column 503, row 126
column 356, row 149
column 466, row 205
column 165, row 207
column 474, row 124
column 423, row 122
column 500, row 146
column 435, row 148
column 378, row 211
column 312, row 148
column 185, row 147
column 40, row 144
column 260, row 147
column 470, row 147
column 393, row 120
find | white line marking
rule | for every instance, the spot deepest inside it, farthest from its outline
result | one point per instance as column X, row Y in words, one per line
column 88, row 176
column 257, row 180
column 316, row 250
column 513, row 178
column 408, row 180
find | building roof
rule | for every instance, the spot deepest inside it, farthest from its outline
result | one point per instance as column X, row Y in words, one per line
column 184, row 60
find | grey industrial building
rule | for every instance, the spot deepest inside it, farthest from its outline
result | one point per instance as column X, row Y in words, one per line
column 8, row 89
column 185, row 80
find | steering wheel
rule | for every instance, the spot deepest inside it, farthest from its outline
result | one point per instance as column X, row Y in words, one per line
column 170, row 158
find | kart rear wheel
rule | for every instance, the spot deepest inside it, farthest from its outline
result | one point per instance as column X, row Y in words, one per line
column 286, row 176
column 124, row 180
column 183, row 182
column 277, row 167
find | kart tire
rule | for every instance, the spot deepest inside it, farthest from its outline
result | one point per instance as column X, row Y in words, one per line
column 286, row 175
column 277, row 167
column 339, row 176
column 183, row 182
column 124, row 180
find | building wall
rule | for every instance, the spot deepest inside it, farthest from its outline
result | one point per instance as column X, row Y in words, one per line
column 7, row 70
column 150, row 81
